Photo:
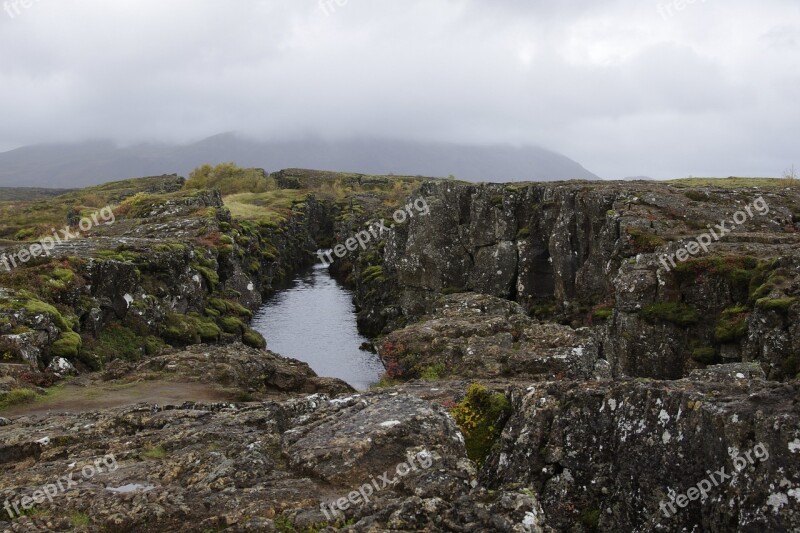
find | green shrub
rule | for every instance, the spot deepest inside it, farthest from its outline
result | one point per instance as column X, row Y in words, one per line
column 433, row 372
column 254, row 339
column 481, row 417
column 676, row 313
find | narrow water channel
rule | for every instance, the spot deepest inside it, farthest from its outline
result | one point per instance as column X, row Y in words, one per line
column 314, row 320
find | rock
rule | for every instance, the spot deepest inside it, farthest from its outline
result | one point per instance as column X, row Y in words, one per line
column 4, row 421
column 62, row 367
column 480, row 336
column 612, row 453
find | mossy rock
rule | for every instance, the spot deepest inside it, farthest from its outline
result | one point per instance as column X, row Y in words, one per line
column 644, row 242
column 67, row 346
column 675, row 313
column 453, row 290
column 523, row 233
column 231, row 324
column 732, row 325
column 191, row 329
column 481, row 417
column 705, row 355
column 602, row 313
column 776, row 304
column 254, row 339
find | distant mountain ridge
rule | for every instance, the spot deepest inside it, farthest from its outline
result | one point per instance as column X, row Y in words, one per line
column 91, row 163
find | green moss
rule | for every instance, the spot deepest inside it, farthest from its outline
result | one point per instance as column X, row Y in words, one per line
column 645, row 242
column 210, row 275
column 602, row 313
column 523, row 233
column 229, row 307
column 776, row 304
column 231, row 324
column 118, row 342
column 254, row 339
column 373, row 273
column 481, row 417
column 191, row 329
column 542, row 311
column 68, row 345
column 590, row 519
column 34, row 306
column 153, row 452
column 453, row 290
column 732, row 324
column 675, row 313
column 738, row 270
column 79, row 519
column 705, row 355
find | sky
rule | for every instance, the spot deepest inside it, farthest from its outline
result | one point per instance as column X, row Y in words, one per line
column 625, row 87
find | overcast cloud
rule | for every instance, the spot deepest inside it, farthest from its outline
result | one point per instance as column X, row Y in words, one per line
column 620, row 86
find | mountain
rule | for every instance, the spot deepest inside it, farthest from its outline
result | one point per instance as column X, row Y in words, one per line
column 91, row 163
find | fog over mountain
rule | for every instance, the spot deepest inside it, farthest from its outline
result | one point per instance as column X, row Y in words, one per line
column 90, row 163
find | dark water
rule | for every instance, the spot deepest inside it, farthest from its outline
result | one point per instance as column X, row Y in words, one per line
column 314, row 321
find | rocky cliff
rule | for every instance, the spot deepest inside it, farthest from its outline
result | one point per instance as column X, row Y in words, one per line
column 546, row 348
column 592, row 254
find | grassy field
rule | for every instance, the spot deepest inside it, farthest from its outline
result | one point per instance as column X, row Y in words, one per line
column 27, row 219
column 734, row 183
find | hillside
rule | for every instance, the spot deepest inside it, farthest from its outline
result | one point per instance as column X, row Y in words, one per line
column 80, row 165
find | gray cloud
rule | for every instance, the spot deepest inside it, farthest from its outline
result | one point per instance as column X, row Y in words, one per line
column 626, row 87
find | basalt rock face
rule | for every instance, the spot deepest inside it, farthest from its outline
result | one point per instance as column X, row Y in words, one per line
column 258, row 467
column 608, row 455
column 597, row 254
column 171, row 268
column 478, row 336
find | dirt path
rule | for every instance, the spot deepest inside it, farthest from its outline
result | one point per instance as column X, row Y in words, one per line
column 76, row 398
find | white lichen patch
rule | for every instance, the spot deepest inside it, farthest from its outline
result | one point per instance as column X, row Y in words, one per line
column 663, row 417
column 794, row 446
column 390, row 423
column 666, row 437
column 777, row 500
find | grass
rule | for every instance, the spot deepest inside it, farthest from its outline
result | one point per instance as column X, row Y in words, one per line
column 153, row 452
column 38, row 216
column 79, row 519
column 728, row 183
column 675, row 313
column 17, row 397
